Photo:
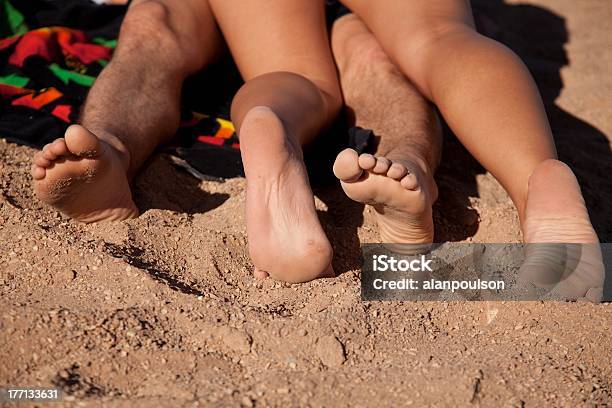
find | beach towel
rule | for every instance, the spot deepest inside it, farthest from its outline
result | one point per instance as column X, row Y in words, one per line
column 47, row 70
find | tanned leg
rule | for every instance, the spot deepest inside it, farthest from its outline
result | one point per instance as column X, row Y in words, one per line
column 131, row 109
column 398, row 182
column 492, row 104
column 291, row 93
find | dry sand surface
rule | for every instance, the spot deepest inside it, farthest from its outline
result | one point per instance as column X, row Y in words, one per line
column 163, row 311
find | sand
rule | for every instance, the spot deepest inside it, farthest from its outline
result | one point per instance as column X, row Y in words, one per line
column 163, row 310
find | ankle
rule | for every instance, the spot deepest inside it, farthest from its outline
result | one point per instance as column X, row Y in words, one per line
column 118, row 146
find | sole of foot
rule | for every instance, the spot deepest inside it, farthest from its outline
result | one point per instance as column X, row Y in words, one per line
column 400, row 191
column 286, row 240
column 84, row 178
column 562, row 251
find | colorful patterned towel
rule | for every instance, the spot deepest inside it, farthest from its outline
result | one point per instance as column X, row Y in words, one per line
column 46, row 72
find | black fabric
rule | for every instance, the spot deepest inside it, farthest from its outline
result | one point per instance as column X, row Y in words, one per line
column 94, row 19
column 334, row 10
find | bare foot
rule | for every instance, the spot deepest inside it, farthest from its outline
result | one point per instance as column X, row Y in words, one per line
column 556, row 214
column 84, row 178
column 400, row 190
column 286, row 240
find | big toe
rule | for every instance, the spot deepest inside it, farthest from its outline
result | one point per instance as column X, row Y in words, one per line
column 346, row 166
column 81, row 142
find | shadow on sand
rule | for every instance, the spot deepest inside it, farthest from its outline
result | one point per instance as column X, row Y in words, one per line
column 539, row 36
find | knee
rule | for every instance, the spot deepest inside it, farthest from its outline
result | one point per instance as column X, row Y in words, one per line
column 149, row 29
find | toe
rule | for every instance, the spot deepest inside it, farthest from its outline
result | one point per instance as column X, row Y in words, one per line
column 40, row 161
column 38, row 173
column 346, row 166
column 382, row 165
column 259, row 274
column 58, row 147
column 81, row 141
column 47, row 152
column 397, row 171
column 367, row 161
column 410, row 182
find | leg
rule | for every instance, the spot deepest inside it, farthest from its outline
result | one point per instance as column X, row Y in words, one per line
column 490, row 101
column 131, row 109
column 482, row 89
column 291, row 93
column 399, row 182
